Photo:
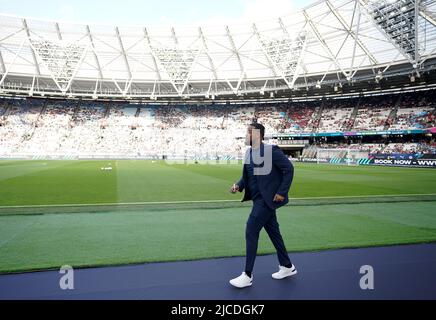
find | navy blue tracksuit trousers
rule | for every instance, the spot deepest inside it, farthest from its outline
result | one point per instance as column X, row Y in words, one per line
column 262, row 216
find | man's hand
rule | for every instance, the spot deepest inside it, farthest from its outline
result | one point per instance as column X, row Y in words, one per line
column 234, row 188
column 278, row 198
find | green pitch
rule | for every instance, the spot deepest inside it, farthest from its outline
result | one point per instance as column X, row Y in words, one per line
column 72, row 212
column 83, row 182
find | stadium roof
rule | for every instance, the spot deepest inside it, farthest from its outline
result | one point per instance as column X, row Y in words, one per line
column 329, row 42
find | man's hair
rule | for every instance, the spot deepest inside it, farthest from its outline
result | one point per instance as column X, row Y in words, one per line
column 259, row 127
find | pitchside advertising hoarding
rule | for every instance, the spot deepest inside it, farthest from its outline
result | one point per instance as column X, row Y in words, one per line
column 355, row 133
column 427, row 163
column 400, row 160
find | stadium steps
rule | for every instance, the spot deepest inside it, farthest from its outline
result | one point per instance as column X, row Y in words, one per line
column 76, row 111
column 318, row 117
column 107, row 111
column 138, row 111
column 342, row 154
column 310, row 152
column 43, row 110
column 6, row 111
column 393, row 115
column 28, row 135
column 225, row 119
column 354, row 115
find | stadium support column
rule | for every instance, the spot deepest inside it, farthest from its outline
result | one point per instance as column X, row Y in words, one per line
column 3, row 78
column 350, row 32
column 396, row 21
column 123, row 52
column 427, row 15
column 97, row 62
column 323, row 43
column 58, row 31
column 236, row 52
column 417, row 57
column 35, row 61
column 156, row 67
column 2, row 64
column 209, row 57
column 270, row 62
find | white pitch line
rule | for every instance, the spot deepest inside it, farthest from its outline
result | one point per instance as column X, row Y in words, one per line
column 115, row 204
column 206, row 201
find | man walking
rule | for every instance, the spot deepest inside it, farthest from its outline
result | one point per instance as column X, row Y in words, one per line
column 266, row 178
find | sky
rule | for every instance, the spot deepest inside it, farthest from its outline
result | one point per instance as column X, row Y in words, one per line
column 153, row 12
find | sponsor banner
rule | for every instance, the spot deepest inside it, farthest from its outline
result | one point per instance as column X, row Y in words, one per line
column 355, row 133
column 395, row 156
column 403, row 156
column 428, row 163
column 330, row 160
column 364, row 161
column 336, row 160
column 427, row 156
column 320, row 160
column 368, row 133
column 425, row 163
column 350, row 133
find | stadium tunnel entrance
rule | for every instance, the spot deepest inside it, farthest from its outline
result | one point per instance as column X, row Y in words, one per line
column 292, row 151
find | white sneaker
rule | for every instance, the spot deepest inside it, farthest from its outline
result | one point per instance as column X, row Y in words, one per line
column 284, row 272
column 242, row 281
